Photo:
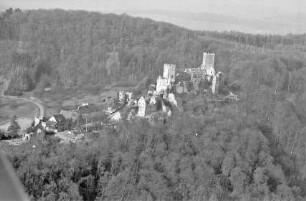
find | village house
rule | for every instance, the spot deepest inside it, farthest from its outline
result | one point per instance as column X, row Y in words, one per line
column 141, row 107
column 40, row 124
column 114, row 117
column 56, row 123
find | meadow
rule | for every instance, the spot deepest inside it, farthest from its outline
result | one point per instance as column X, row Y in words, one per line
column 25, row 112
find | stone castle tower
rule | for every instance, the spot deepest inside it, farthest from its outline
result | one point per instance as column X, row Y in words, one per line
column 208, row 63
column 169, row 72
column 208, row 60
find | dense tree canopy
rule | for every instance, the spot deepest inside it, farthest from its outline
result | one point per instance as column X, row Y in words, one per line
column 252, row 149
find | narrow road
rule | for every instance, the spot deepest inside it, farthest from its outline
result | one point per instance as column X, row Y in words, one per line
column 41, row 108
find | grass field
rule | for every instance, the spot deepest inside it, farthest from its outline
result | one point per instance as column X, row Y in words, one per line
column 55, row 100
column 25, row 112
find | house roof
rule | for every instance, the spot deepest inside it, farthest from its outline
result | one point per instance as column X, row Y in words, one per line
column 59, row 117
column 49, row 123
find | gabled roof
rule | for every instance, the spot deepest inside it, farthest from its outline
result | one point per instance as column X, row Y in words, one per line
column 59, row 118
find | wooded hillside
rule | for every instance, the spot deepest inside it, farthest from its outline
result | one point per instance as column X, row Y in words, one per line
column 254, row 149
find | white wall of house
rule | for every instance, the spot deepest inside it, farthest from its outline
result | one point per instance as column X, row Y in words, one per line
column 172, row 100
column 52, row 119
column 141, row 107
column 116, row 116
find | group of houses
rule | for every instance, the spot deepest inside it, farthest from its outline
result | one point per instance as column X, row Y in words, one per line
column 68, row 119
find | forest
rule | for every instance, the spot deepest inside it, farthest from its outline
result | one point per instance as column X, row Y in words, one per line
column 250, row 150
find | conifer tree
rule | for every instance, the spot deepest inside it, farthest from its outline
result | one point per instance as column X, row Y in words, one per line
column 14, row 127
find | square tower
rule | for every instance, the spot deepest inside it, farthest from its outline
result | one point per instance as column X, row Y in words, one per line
column 169, row 72
column 208, row 60
column 162, row 84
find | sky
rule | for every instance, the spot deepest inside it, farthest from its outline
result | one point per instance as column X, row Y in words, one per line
column 241, row 9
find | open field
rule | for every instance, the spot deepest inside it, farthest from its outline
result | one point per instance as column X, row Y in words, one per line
column 25, row 112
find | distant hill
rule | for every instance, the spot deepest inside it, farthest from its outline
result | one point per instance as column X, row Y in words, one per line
column 276, row 24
